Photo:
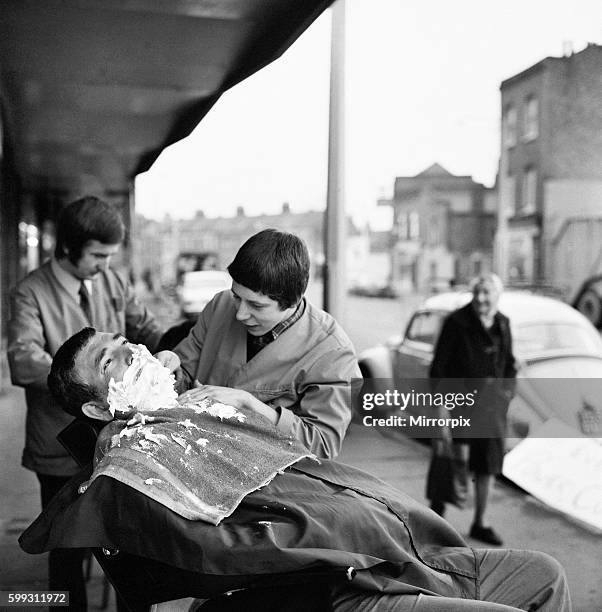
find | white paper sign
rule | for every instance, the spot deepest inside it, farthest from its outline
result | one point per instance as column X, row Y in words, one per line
column 563, row 472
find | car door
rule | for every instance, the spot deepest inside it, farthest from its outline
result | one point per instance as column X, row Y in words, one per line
column 414, row 354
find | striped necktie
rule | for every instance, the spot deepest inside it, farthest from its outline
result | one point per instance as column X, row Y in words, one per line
column 84, row 301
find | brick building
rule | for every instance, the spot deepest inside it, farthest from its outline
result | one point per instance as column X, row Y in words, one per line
column 443, row 228
column 159, row 245
column 551, row 167
column 225, row 235
column 161, row 242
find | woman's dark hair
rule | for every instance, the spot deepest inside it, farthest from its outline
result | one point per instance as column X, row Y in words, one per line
column 65, row 387
column 274, row 263
column 87, row 219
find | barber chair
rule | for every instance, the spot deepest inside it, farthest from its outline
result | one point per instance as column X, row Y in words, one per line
column 140, row 582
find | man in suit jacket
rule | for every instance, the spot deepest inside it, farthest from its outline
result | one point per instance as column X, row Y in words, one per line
column 73, row 290
column 476, row 343
column 263, row 346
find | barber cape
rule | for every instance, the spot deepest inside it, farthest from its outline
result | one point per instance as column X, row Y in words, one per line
column 200, row 460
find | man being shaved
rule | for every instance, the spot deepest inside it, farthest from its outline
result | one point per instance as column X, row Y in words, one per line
column 327, row 515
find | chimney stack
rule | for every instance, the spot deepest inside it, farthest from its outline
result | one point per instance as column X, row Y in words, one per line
column 567, row 48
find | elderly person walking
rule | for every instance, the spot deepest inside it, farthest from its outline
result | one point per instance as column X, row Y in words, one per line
column 476, row 343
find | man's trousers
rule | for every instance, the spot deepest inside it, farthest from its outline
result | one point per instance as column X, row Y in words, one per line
column 508, row 580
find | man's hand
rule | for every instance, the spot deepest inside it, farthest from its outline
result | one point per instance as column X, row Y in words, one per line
column 238, row 398
column 168, row 359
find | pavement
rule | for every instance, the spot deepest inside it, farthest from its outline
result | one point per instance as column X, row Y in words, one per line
column 389, row 455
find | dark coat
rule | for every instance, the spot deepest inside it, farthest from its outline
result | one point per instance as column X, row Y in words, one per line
column 325, row 515
column 466, row 350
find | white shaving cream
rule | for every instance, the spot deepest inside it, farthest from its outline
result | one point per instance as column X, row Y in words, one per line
column 146, row 385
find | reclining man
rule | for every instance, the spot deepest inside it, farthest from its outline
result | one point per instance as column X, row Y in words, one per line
column 311, row 515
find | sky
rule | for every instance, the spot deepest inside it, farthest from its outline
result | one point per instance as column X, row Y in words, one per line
column 422, row 86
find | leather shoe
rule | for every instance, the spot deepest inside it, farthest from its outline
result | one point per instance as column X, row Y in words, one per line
column 485, row 534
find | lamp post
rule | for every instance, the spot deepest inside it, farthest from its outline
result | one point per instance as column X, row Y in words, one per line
column 335, row 227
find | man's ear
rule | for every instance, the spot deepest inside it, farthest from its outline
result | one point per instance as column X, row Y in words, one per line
column 95, row 410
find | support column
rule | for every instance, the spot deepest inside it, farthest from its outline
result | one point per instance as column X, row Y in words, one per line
column 335, row 287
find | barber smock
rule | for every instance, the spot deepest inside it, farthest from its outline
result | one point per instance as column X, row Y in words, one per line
column 305, row 373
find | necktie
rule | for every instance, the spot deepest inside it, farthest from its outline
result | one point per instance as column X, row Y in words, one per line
column 84, row 301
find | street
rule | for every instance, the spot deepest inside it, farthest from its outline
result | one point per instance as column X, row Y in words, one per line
column 522, row 521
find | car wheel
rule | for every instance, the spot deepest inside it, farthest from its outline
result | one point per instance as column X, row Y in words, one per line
column 590, row 306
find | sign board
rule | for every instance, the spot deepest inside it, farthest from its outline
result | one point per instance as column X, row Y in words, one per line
column 563, row 472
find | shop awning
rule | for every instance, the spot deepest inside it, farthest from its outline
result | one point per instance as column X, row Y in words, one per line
column 94, row 90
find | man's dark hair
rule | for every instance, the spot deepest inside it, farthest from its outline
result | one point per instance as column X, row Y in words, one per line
column 87, row 219
column 65, row 387
column 274, row 263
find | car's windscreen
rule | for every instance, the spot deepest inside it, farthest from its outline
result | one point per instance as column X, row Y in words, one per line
column 545, row 338
column 425, row 327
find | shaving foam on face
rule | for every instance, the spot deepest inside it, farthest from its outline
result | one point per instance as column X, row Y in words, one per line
column 146, row 385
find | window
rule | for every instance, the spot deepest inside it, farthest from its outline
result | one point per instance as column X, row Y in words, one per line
column 535, row 339
column 408, row 226
column 531, row 119
column 433, row 270
column 402, row 226
column 509, row 126
column 529, row 191
column 434, row 235
column 425, row 327
column 507, row 195
column 413, row 226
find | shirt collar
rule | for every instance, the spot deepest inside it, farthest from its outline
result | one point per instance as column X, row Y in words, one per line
column 279, row 328
column 69, row 282
column 284, row 325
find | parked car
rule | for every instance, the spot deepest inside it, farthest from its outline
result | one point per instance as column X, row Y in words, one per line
column 198, row 287
column 558, row 352
column 377, row 291
column 588, row 300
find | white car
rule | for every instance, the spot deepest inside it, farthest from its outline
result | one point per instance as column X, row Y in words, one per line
column 558, row 352
column 198, row 288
